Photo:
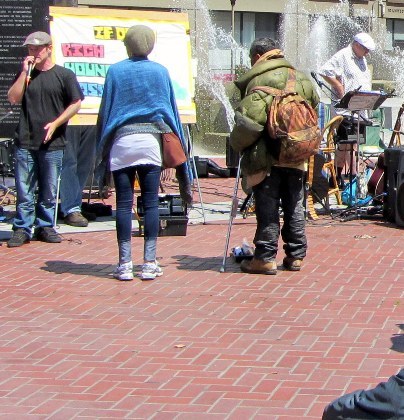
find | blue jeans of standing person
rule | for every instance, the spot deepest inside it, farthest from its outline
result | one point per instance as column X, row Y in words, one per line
column 283, row 187
column 36, row 169
column 78, row 162
column 149, row 181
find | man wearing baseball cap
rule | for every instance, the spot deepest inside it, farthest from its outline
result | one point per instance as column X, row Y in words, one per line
column 346, row 71
column 38, row 38
column 49, row 96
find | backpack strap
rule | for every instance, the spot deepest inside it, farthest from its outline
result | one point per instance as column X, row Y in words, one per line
column 266, row 89
column 291, row 82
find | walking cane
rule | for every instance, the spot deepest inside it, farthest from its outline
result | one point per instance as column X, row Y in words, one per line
column 233, row 213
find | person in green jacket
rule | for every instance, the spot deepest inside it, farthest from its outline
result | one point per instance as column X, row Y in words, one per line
column 273, row 185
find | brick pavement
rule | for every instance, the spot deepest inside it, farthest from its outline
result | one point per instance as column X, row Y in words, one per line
column 196, row 343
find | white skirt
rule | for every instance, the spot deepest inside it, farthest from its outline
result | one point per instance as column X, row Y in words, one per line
column 136, row 149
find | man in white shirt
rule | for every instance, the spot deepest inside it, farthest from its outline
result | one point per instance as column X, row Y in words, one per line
column 345, row 71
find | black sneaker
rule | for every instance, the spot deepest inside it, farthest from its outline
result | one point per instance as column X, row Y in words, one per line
column 47, row 234
column 19, row 238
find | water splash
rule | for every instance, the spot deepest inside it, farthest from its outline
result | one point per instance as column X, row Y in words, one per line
column 329, row 29
column 209, row 56
column 323, row 38
column 332, row 29
column 317, row 50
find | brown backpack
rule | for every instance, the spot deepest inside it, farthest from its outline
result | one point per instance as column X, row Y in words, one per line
column 292, row 123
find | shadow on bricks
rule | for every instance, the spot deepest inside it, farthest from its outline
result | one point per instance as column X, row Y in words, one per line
column 90, row 269
column 193, row 263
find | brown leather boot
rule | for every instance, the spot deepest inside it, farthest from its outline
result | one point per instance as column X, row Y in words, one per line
column 292, row 264
column 256, row 266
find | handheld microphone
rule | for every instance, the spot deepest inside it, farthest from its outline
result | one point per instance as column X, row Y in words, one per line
column 29, row 71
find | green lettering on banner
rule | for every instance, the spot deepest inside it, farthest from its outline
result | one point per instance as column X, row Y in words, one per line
column 86, row 69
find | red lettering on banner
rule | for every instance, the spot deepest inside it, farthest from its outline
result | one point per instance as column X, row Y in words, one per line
column 82, row 50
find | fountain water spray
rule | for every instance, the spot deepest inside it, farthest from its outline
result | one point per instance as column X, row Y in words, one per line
column 331, row 29
column 322, row 31
column 206, row 40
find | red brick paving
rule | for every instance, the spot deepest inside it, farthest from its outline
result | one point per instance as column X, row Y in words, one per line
column 75, row 343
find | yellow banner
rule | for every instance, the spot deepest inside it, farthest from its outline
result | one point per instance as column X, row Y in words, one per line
column 88, row 41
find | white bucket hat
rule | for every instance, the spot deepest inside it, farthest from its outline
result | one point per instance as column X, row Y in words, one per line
column 365, row 40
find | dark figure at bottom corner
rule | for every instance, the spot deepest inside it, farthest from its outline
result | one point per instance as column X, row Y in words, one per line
column 384, row 401
column 272, row 184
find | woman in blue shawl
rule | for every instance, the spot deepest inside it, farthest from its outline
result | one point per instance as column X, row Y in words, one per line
column 137, row 105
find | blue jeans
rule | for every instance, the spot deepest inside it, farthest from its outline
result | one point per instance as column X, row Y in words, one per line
column 149, row 180
column 36, row 169
column 283, row 187
column 78, row 162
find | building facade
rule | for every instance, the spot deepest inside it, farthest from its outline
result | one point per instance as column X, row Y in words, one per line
column 309, row 31
column 246, row 19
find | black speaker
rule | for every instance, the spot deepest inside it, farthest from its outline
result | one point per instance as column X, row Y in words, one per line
column 6, row 157
column 173, row 217
column 169, row 205
column 201, row 167
column 393, row 178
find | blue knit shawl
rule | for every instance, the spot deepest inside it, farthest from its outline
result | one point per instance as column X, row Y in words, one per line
column 136, row 90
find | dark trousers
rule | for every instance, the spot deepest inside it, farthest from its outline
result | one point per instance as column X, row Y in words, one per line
column 78, row 162
column 36, row 169
column 283, row 187
column 149, row 181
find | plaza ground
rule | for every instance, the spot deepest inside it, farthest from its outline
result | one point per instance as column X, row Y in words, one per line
column 197, row 343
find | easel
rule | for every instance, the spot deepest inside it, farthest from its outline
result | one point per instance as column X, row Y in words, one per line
column 357, row 101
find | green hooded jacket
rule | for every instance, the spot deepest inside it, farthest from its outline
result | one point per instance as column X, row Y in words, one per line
column 249, row 134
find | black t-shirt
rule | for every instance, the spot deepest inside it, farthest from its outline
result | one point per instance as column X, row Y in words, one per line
column 48, row 94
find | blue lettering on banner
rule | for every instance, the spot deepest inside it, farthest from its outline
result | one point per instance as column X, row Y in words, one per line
column 92, row 89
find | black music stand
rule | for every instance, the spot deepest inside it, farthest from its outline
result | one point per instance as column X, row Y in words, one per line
column 357, row 101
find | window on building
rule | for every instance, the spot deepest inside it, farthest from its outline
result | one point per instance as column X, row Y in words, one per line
column 247, row 27
column 395, row 32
